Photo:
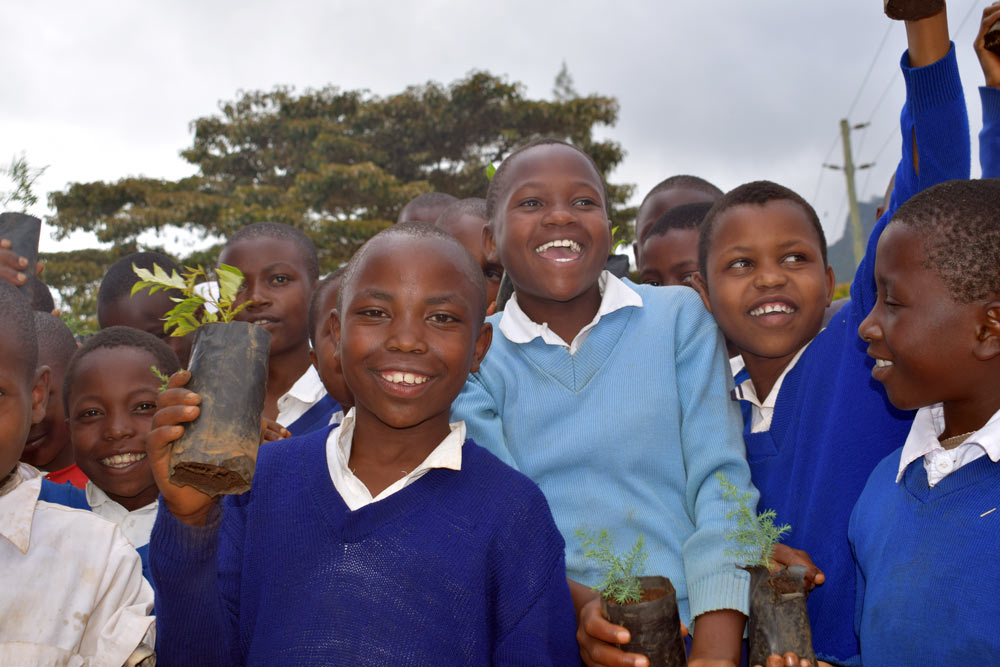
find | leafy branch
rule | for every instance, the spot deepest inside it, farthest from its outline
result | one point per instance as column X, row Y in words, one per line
column 621, row 571
column 755, row 533
column 194, row 309
column 161, row 376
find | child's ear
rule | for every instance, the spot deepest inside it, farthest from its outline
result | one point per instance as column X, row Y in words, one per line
column 334, row 326
column 490, row 244
column 40, row 394
column 988, row 339
column 702, row 288
column 483, row 341
column 831, row 284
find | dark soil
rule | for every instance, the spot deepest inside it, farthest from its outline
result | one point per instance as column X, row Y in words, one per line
column 912, row 10
column 992, row 38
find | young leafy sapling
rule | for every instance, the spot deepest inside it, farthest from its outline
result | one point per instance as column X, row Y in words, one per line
column 194, row 309
column 756, row 533
column 621, row 571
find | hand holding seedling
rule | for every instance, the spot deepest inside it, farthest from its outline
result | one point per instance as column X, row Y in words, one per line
column 784, row 555
column 272, row 430
column 597, row 638
column 175, row 406
column 989, row 60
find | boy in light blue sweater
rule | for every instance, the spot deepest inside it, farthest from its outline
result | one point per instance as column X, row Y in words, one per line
column 561, row 411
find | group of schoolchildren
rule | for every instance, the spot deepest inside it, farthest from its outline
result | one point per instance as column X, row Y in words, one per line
column 429, row 451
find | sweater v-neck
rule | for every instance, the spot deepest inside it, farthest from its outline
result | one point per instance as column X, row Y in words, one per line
column 575, row 371
column 357, row 525
column 915, row 479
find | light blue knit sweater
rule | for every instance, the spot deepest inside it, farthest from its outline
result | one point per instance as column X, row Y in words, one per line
column 627, row 435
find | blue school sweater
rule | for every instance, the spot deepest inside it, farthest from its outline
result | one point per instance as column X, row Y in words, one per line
column 928, row 581
column 459, row 568
column 626, row 435
column 989, row 137
column 316, row 417
column 832, row 422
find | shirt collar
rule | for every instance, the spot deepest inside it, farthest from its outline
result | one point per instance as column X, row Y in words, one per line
column 302, row 395
column 745, row 391
column 18, row 499
column 517, row 327
column 447, row 454
column 928, row 424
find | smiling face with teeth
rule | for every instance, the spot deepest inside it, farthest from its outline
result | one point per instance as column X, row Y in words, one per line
column 552, row 234
column 928, row 347
column 766, row 284
column 409, row 331
column 110, row 411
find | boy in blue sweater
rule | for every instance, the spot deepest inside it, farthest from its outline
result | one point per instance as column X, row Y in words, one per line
column 389, row 540
column 926, row 529
column 555, row 409
column 815, row 422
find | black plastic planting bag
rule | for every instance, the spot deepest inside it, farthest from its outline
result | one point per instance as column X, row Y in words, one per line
column 655, row 625
column 218, row 450
column 779, row 620
column 22, row 231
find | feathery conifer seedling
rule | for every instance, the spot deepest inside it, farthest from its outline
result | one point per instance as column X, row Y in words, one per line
column 190, row 311
column 756, row 533
column 621, row 573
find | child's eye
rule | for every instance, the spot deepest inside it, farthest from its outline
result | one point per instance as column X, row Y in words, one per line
column 493, row 275
column 372, row 312
column 739, row 264
column 443, row 318
column 145, row 406
column 280, row 279
column 794, row 258
column 530, row 203
column 585, row 201
column 89, row 413
column 688, row 278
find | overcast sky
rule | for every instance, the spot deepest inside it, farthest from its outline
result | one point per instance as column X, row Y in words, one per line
column 731, row 90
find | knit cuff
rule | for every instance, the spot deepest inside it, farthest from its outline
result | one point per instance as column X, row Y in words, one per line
column 177, row 540
column 722, row 590
column 933, row 85
column 991, row 102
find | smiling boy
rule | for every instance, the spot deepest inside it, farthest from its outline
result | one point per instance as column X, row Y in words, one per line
column 815, row 424
column 410, row 545
column 926, row 530
column 73, row 592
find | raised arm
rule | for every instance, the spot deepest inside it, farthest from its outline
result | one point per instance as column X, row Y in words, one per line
column 989, row 137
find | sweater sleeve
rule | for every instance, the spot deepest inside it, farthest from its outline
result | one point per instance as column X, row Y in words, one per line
column 711, row 442
column 535, row 620
column 194, row 625
column 478, row 405
column 989, row 137
column 935, row 115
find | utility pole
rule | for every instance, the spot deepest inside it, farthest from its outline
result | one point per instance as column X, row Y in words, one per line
column 857, row 233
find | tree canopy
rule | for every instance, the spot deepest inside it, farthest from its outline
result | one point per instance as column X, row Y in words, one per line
column 338, row 164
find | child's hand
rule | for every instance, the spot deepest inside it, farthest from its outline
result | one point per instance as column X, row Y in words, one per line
column 597, row 636
column 175, row 406
column 13, row 267
column 790, row 660
column 784, row 555
column 272, row 430
column 989, row 61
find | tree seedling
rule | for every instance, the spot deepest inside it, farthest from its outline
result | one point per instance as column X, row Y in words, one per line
column 194, row 309
column 621, row 571
column 755, row 533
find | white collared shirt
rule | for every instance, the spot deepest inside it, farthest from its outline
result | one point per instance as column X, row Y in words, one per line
column 136, row 525
column 517, row 327
column 762, row 412
column 922, row 441
column 448, row 454
column 305, row 393
column 73, row 591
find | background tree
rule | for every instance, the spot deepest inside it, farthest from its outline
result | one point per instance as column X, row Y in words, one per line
column 337, row 164
column 22, row 177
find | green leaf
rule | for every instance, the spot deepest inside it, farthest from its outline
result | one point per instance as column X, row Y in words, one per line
column 230, row 281
column 491, row 171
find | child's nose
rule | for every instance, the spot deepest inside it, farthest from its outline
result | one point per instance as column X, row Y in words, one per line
column 770, row 275
column 405, row 336
column 119, row 428
column 869, row 329
column 559, row 214
column 256, row 293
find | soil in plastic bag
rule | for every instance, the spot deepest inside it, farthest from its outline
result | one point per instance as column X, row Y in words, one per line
column 992, row 38
column 779, row 620
column 653, row 622
column 912, row 10
column 218, row 450
column 22, row 232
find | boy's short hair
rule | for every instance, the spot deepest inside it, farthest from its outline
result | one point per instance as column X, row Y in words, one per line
column 417, row 230
column 281, row 232
column 118, row 281
column 19, row 326
column 55, row 340
column 959, row 222
column 686, row 182
column 428, row 200
column 113, row 337
column 757, row 193
column 40, row 295
column 686, row 216
column 499, row 181
column 474, row 206
column 316, row 299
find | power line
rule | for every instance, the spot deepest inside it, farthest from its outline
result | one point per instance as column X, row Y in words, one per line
column 871, row 67
column 822, row 169
column 972, row 6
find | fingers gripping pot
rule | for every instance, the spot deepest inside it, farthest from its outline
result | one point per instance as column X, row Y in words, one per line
column 22, row 231
column 779, row 619
column 654, row 623
column 218, row 450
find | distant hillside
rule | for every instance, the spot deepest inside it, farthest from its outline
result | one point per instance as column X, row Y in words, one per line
column 841, row 254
